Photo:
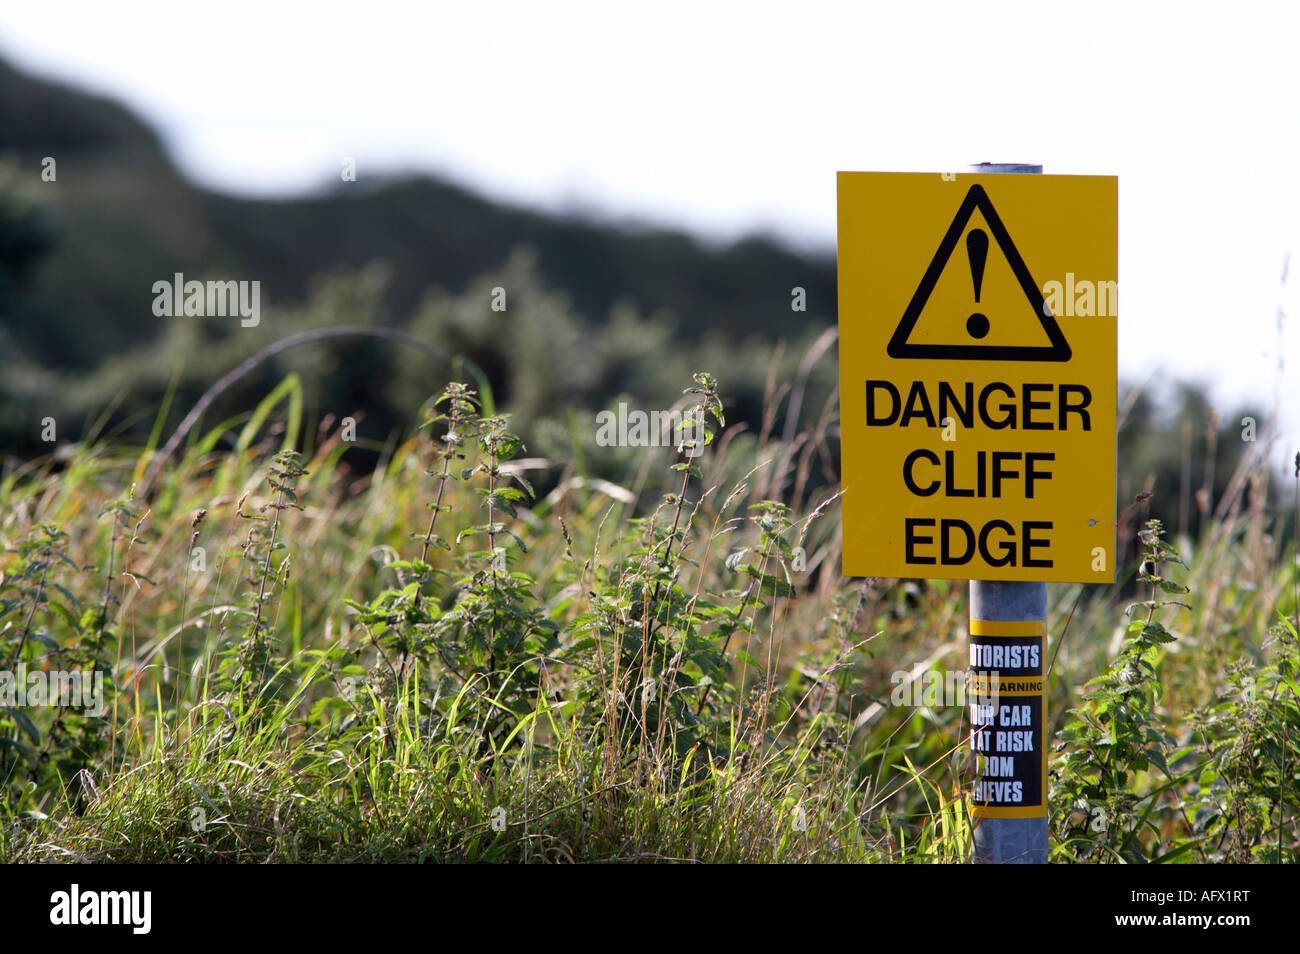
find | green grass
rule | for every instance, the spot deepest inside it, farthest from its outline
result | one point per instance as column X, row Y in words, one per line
column 435, row 663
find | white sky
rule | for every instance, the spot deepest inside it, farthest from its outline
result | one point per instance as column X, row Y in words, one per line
column 723, row 118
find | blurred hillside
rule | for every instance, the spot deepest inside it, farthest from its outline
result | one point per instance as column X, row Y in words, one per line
column 120, row 217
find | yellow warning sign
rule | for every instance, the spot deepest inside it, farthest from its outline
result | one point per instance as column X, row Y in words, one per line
column 978, row 318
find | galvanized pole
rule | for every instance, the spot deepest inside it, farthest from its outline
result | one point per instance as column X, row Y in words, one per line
column 1014, row 840
column 1004, row 840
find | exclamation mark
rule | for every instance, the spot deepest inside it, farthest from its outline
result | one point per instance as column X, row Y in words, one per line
column 977, row 250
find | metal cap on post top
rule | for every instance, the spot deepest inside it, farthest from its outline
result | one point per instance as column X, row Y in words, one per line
column 1011, row 840
column 1008, row 168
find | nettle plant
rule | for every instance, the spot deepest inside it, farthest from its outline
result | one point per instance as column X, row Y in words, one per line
column 29, row 592
column 1116, row 735
column 483, row 648
column 45, row 630
column 1247, row 794
column 637, row 653
column 646, row 658
column 663, row 652
column 246, row 669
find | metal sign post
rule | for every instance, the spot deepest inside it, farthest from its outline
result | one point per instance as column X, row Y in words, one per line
column 1010, row 840
column 1003, row 616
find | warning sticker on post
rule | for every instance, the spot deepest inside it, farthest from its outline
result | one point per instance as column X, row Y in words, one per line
column 1006, row 690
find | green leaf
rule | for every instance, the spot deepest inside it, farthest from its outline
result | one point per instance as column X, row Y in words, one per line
column 66, row 614
column 25, row 724
column 1155, row 631
column 769, row 584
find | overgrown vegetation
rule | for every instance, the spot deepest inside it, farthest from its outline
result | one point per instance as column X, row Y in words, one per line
column 437, row 663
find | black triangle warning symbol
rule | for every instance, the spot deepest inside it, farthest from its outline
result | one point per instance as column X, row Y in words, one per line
column 900, row 347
